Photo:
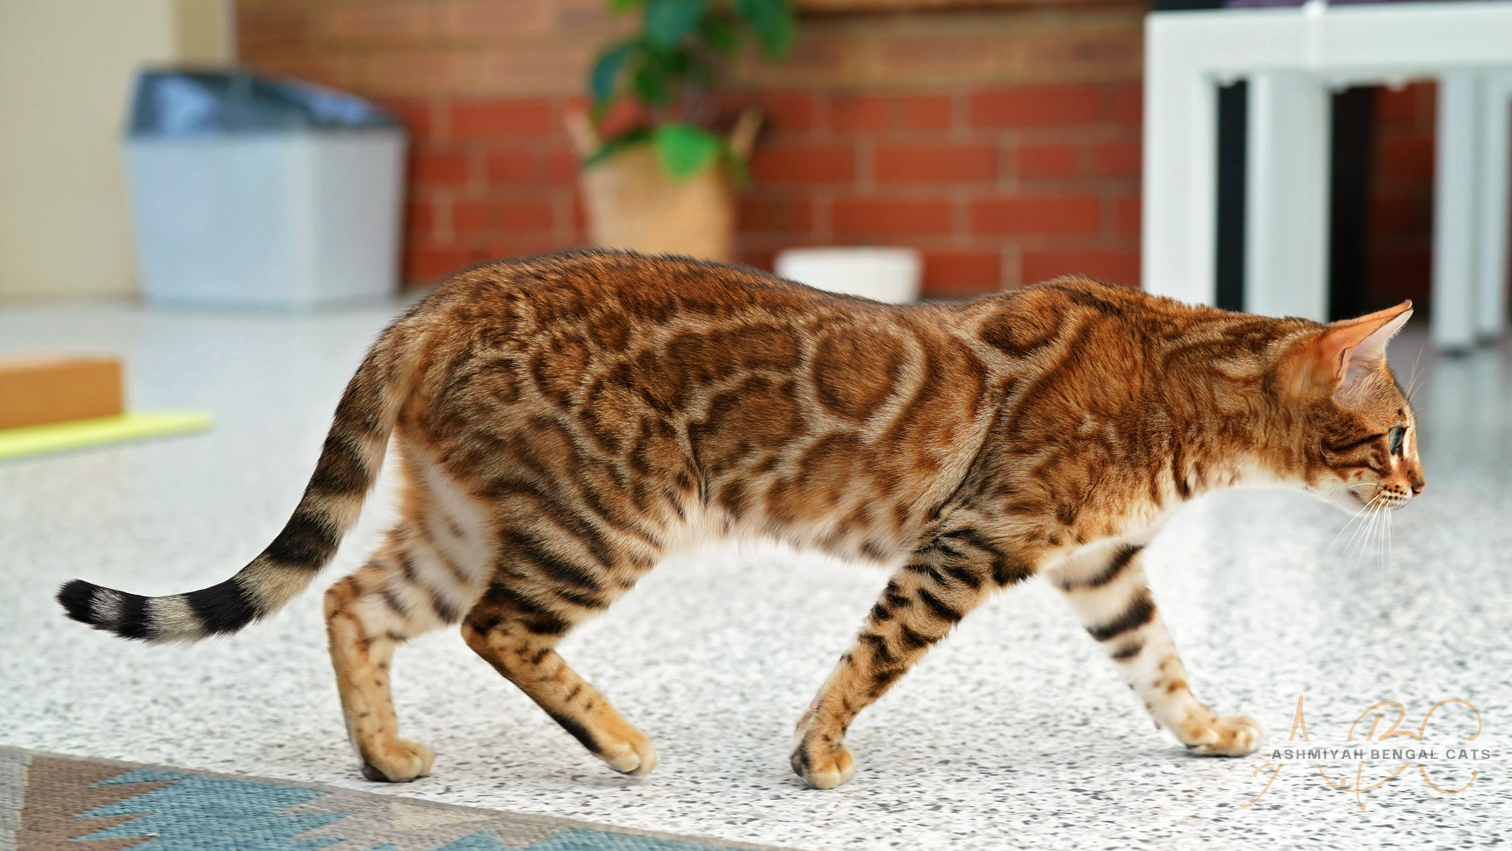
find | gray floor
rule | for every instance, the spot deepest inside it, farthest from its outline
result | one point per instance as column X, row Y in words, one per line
column 1015, row 733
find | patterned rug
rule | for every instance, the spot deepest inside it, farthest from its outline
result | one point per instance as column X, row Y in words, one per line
column 56, row 802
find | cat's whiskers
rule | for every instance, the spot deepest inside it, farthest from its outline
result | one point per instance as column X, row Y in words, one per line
column 1345, row 528
column 1353, row 552
column 1373, row 538
column 1384, row 533
column 1367, row 549
column 1361, row 533
column 1367, row 516
column 1364, row 508
column 1388, row 554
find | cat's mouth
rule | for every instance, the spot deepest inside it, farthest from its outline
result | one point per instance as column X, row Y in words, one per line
column 1363, row 497
column 1381, row 497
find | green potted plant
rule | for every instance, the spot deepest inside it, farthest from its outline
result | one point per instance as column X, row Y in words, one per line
column 665, row 182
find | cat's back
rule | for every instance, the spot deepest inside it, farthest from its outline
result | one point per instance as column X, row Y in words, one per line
column 1085, row 321
column 575, row 326
column 618, row 292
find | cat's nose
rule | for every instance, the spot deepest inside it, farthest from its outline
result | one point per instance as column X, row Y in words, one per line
column 1417, row 487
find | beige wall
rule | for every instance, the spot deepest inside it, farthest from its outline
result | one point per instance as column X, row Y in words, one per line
column 66, row 70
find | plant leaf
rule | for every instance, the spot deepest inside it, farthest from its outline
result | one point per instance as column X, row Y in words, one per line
column 613, row 145
column 677, row 62
column 683, row 149
column 702, row 71
column 617, row 6
column 650, row 80
column 773, row 22
column 720, row 34
column 668, row 22
column 606, row 71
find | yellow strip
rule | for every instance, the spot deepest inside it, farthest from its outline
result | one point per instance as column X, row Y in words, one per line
column 35, row 440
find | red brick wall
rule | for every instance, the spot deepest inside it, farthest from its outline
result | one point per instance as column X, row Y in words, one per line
column 996, row 184
column 1002, row 143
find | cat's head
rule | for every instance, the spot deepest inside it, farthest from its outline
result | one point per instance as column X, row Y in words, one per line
column 1359, row 437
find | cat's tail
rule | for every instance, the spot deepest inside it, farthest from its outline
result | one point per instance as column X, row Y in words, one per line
column 349, row 463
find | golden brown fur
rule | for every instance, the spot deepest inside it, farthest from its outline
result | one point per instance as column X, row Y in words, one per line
column 567, row 420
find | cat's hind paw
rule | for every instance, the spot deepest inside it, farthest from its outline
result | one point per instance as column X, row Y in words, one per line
column 821, row 766
column 1232, row 735
column 399, row 761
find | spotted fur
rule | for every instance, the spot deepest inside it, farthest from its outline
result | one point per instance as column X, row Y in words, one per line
column 567, row 420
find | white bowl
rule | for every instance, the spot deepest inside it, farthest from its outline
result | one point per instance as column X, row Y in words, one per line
column 883, row 274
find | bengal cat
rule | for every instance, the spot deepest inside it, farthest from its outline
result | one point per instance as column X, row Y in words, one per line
column 567, row 420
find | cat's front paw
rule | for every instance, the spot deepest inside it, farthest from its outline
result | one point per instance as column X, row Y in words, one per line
column 633, row 755
column 1232, row 735
column 398, row 761
column 821, row 764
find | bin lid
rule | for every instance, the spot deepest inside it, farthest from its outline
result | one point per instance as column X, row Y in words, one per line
column 186, row 102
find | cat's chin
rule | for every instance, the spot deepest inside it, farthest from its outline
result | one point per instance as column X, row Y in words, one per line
column 1348, row 499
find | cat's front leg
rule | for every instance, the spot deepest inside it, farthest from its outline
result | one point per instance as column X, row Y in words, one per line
column 943, row 580
column 1110, row 595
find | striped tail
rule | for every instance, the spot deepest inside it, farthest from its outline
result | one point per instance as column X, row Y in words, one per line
column 349, row 464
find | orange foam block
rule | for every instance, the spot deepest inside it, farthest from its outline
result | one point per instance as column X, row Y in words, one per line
column 42, row 390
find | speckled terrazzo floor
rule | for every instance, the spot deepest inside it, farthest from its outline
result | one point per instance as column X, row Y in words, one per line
column 1014, row 733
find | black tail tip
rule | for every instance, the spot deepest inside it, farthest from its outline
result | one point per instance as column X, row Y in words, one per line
column 76, row 598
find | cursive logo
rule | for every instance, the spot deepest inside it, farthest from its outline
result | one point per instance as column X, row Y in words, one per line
column 1411, row 750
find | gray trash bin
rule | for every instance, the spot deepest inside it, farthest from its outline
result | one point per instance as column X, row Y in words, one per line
column 252, row 191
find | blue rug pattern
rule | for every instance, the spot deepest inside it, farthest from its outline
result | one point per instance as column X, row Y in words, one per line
column 51, row 802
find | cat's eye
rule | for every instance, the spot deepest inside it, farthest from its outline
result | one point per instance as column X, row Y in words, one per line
column 1394, row 439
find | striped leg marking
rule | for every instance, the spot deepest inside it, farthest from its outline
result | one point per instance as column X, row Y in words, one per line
column 1112, row 599
column 923, row 601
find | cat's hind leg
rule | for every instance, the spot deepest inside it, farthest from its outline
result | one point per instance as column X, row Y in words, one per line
column 1112, row 598
column 399, row 595
column 516, row 630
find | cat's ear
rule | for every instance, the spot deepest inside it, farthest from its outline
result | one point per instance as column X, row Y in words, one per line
column 1346, row 351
